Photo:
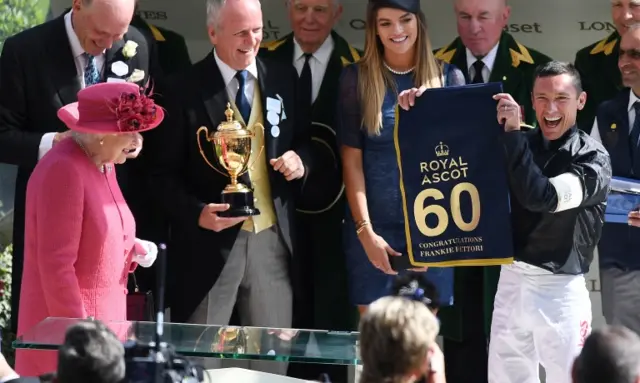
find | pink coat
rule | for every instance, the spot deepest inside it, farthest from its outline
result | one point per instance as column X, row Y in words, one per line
column 79, row 240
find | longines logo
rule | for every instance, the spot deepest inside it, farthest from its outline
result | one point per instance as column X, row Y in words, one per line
column 359, row 25
column 270, row 31
column 597, row 26
column 152, row 15
column 524, row 28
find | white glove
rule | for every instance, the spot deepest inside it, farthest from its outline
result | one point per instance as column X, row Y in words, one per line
column 145, row 253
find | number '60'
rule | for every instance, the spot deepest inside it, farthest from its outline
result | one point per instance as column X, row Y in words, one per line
column 420, row 211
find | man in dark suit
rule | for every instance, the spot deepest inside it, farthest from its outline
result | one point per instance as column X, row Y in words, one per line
column 598, row 62
column 318, row 53
column 218, row 261
column 617, row 127
column 173, row 57
column 485, row 53
column 42, row 69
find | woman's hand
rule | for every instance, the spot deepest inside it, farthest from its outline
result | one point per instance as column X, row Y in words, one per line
column 145, row 253
column 407, row 98
column 378, row 251
column 436, row 365
column 634, row 217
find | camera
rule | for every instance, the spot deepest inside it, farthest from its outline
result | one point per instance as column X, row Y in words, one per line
column 151, row 363
column 157, row 361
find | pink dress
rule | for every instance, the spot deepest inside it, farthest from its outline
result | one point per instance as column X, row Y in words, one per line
column 79, row 240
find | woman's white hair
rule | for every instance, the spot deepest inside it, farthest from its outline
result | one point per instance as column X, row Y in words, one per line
column 88, row 138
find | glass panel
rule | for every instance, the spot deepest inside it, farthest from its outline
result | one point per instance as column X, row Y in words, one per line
column 260, row 343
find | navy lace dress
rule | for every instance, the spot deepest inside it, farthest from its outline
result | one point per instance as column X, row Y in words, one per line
column 382, row 180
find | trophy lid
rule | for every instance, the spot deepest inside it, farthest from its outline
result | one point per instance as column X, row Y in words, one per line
column 232, row 127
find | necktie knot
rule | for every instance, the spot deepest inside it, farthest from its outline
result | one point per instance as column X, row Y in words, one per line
column 636, row 107
column 305, row 85
column 242, row 102
column 478, row 65
column 241, row 75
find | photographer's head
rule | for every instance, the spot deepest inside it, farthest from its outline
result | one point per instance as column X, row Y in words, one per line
column 610, row 354
column 397, row 337
column 417, row 287
column 90, row 353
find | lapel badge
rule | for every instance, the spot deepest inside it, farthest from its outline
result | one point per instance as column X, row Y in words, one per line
column 119, row 68
column 614, row 126
column 504, row 78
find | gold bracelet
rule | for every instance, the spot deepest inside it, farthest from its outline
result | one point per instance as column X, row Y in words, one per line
column 361, row 225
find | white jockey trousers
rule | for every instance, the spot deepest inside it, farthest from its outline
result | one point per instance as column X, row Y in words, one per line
column 538, row 318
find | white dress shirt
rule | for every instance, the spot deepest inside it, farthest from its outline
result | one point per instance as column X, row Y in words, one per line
column 81, row 62
column 489, row 60
column 595, row 133
column 231, row 82
column 318, row 63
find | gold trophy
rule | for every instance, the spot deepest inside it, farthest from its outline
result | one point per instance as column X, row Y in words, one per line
column 232, row 146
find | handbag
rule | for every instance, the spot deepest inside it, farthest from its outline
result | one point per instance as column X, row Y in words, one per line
column 140, row 305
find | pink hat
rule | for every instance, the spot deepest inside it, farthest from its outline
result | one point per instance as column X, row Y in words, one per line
column 111, row 108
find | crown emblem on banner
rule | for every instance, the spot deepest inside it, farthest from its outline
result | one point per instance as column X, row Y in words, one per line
column 442, row 150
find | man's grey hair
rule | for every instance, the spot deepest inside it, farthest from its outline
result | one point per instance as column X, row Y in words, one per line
column 214, row 8
column 610, row 354
column 91, row 353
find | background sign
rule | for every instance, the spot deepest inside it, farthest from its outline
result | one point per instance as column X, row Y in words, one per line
column 556, row 28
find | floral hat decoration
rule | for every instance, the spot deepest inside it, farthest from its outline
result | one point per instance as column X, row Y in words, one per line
column 112, row 108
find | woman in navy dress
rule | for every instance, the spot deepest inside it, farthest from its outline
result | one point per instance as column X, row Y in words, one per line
column 397, row 66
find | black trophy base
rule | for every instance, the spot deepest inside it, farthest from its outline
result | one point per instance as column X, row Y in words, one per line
column 240, row 205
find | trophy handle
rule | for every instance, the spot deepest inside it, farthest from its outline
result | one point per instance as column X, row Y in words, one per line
column 206, row 131
column 259, row 153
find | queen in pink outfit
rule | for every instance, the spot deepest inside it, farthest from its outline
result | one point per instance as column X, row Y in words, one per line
column 80, row 242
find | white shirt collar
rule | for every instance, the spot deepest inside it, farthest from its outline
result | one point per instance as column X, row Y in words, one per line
column 489, row 59
column 76, row 48
column 228, row 73
column 323, row 54
column 632, row 100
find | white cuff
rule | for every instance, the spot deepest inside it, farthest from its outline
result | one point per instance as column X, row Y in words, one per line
column 46, row 143
column 9, row 377
column 145, row 253
column 569, row 190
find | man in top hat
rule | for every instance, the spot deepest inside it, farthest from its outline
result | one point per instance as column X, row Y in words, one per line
column 598, row 62
column 485, row 53
column 42, row 69
column 222, row 260
column 318, row 54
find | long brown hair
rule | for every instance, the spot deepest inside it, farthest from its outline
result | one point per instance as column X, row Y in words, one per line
column 374, row 79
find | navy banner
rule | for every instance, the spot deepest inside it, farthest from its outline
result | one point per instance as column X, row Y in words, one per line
column 453, row 179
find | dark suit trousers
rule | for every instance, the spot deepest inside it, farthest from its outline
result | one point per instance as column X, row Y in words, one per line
column 466, row 361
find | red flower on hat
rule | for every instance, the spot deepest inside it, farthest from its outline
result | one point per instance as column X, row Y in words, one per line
column 134, row 111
